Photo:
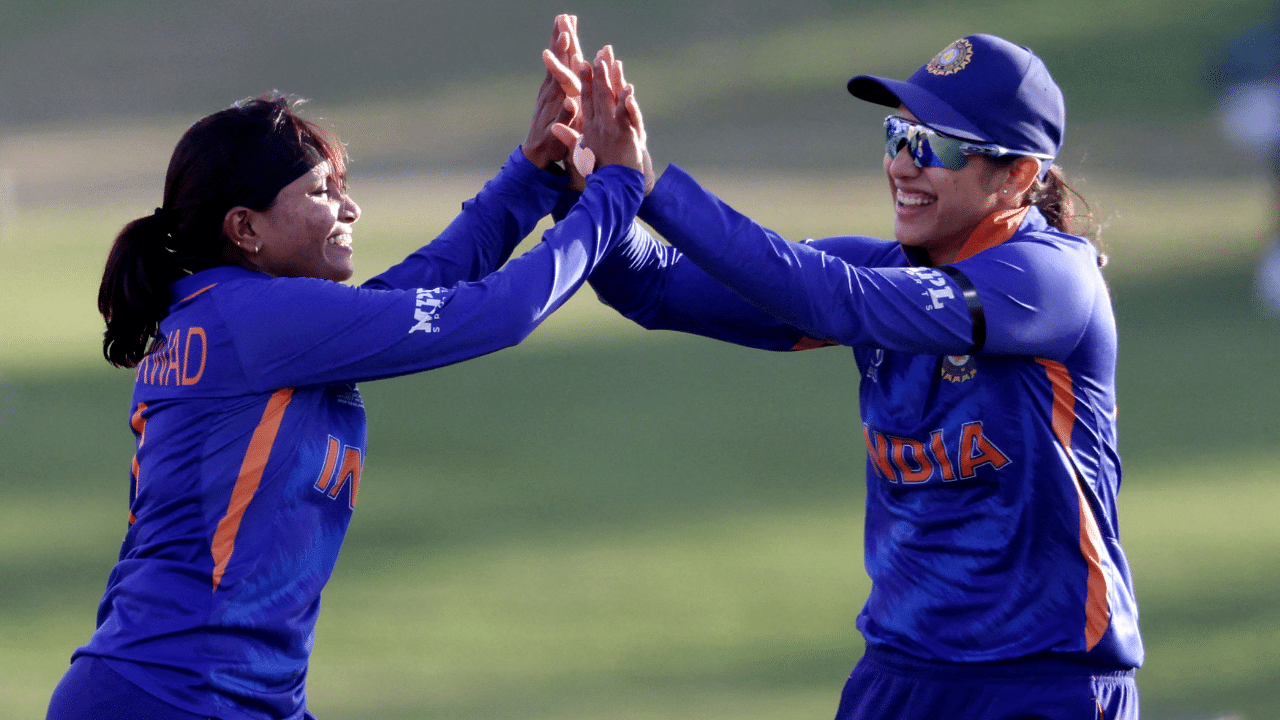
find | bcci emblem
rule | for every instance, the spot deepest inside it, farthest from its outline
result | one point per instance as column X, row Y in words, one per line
column 952, row 59
column 958, row 368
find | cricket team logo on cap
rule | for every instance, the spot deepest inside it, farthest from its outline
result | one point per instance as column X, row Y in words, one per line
column 952, row 59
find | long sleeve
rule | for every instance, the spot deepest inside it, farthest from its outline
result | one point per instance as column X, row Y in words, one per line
column 914, row 309
column 485, row 233
column 655, row 286
column 289, row 332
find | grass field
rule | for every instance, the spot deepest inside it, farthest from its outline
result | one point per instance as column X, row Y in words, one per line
column 604, row 522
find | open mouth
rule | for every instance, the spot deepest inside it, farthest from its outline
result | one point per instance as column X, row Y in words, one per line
column 343, row 240
column 912, row 200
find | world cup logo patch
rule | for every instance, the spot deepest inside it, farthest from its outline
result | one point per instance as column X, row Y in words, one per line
column 958, row 368
column 952, row 59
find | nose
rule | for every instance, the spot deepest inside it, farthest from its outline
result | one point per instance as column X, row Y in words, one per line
column 901, row 165
column 349, row 211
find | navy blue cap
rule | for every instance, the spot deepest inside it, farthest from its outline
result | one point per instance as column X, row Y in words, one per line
column 980, row 88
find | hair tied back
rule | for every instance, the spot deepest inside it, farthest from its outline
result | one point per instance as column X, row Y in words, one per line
column 165, row 222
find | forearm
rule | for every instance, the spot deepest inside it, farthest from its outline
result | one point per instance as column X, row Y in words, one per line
column 483, row 236
column 355, row 334
column 827, row 297
column 658, row 288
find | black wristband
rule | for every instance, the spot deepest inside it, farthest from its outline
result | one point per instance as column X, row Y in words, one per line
column 976, row 316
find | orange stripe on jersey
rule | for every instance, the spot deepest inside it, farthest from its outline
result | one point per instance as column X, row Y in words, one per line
column 201, row 290
column 808, row 343
column 993, row 230
column 255, row 462
column 139, row 424
column 1064, row 401
column 1097, row 611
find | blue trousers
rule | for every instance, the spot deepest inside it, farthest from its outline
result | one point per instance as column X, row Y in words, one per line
column 889, row 685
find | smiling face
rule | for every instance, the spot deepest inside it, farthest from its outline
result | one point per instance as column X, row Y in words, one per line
column 306, row 232
column 936, row 209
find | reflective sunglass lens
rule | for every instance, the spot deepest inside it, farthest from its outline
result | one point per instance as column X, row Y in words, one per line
column 948, row 153
column 927, row 148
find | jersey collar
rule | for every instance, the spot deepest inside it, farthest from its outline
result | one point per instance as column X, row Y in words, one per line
column 195, row 283
column 993, row 230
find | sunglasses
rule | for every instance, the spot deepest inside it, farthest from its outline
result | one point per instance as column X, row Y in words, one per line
column 929, row 148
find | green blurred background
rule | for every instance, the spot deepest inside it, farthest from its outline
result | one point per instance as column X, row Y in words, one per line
column 604, row 522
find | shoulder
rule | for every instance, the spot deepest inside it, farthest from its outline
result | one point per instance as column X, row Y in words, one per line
column 246, row 301
column 862, row 250
column 1039, row 253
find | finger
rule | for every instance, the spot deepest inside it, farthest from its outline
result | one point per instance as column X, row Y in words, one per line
column 604, row 72
column 568, row 27
column 605, row 59
column 582, row 69
column 567, row 79
column 618, row 82
column 633, row 109
column 571, row 113
column 564, row 42
column 565, row 134
column 575, row 47
column 601, row 95
column 621, row 112
column 556, row 28
column 587, row 101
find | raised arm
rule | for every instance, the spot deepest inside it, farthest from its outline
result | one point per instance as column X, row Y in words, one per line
column 658, row 288
column 310, row 332
column 987, row 302
column 492, row 224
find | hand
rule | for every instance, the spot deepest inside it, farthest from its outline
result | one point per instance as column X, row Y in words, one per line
column 572, row 72
column 559, row 97
column 612, row 125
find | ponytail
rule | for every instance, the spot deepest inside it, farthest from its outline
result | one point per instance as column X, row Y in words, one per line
column 134, row 295
column 241, row 156
column 1057, row 201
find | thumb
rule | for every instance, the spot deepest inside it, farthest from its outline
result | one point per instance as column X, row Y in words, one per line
column 565, row 134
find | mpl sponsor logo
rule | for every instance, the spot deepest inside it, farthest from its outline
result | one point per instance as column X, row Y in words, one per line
column 426, row 311
column 935, row 286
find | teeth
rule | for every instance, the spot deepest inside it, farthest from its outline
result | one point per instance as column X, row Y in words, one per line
column 343, row 240
column 913, row 200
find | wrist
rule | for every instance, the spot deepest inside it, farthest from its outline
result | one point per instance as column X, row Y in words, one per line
column 537, row 156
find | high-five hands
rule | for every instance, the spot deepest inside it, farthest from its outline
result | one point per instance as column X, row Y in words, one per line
column 606, row 126
column 609, row 129
column 559, row 98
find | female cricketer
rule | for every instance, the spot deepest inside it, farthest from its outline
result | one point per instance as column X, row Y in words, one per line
column 986, row 346
column 249, row 428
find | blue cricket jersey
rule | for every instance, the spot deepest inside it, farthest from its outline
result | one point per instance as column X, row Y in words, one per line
column 987, row 396
column 250, row 433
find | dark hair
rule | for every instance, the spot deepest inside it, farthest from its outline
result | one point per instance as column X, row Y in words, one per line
column 1057, row 201
column 1063, row 206
column 241, row 156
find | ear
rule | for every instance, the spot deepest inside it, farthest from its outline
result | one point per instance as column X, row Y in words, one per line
column 1022, row 174
column 237, row 225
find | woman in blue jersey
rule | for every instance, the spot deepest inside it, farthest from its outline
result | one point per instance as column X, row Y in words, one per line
column 986, row 346
column 249, row 428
